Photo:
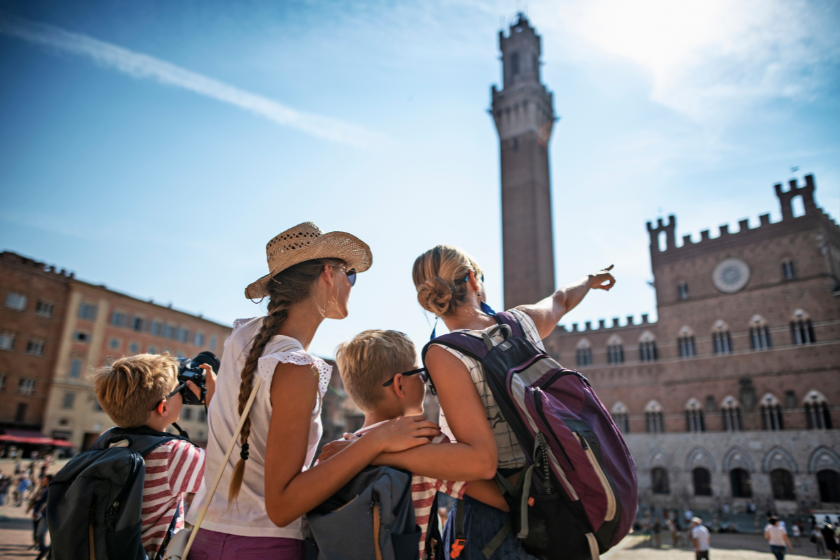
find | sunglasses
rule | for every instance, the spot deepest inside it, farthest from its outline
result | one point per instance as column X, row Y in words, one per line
column 467, row 279
column 351, row 276
column 424, row 375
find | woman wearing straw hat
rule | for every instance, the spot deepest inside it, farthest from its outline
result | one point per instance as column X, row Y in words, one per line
column 310, row 278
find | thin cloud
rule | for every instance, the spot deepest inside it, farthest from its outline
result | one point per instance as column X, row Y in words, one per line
column 141, row 66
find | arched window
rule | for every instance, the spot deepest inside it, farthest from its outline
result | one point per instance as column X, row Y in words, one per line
column 741, row 483
column 654, row 423
column 801, row 329
column 584, row 353
column 721, row 338
column 615, row 350
column 659, row 481
column 759, row 334
column 771, row 414
column 688, row 349
column 817, row 414
column 621, row 417
column 730, row 409
column 782, row 483
column 647, row 347
column 702, row 481
column 829, row 483
column 694, row 421
column 788, row 270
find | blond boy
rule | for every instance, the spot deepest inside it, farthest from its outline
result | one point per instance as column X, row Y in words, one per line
column 143, row 390
column 383, row 375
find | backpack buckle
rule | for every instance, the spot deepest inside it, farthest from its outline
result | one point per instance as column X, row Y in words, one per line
column 458, row 546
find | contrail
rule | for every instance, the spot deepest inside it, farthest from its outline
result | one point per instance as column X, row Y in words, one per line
column 139, row 65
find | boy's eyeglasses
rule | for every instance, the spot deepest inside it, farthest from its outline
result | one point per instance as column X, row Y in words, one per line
column 351, row 275
column 424, row 375
column 177, row 390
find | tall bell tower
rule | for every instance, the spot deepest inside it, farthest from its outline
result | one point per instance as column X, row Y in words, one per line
column 524, row 115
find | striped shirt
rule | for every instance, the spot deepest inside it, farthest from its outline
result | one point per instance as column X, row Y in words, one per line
column 172, row 468
column 423, row 492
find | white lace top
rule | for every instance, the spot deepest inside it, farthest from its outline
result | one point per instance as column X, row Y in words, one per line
column 248, row 517
column 510, row 455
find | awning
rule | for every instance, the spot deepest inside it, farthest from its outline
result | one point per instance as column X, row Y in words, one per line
column 32, row 437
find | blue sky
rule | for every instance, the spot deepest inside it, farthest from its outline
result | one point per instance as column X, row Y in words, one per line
column 156, row 146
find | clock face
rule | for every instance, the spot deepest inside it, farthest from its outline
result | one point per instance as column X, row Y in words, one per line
column 731, row 275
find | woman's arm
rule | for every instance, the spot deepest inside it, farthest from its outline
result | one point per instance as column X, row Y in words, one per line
column 290, row 493
column 548, row 312
column 474, row 455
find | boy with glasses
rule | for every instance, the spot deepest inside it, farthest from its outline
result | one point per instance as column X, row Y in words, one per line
column 383, row 375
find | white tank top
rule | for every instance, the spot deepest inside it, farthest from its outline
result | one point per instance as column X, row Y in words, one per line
column 248, row 517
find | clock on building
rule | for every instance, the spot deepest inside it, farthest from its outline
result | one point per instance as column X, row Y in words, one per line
column 731, row 275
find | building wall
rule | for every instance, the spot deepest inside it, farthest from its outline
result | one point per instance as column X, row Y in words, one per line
column 91, row 341
column 22, row 404
column 785, row 373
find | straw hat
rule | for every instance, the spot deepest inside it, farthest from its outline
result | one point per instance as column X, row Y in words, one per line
column 305, row 242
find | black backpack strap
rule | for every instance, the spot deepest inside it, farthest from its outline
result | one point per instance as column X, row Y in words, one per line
column 142, row 439
column 460, row 539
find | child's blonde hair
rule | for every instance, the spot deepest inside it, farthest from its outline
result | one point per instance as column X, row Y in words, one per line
column 369, row 360
column 130, row 388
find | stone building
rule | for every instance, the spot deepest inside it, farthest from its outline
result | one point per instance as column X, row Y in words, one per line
column 733, row 395
column 55, row 328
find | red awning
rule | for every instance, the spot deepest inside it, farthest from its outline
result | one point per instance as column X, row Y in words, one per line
column 34, row 440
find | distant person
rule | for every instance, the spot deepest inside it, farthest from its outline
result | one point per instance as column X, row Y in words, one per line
column 829, row 533
column 777, row 536
column 656, row 528
column 818, row 540
column 39, row 520
column 796, row 532
column 701, row 538
column 689, row 515
column 672, row 528
column 22, row 488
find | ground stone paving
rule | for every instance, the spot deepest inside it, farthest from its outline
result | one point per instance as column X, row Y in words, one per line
column 724, row 547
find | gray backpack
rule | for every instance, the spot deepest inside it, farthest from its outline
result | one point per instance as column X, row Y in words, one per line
column 94, row 502
column 371, row 517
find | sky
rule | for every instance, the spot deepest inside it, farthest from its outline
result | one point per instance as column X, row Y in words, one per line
column 157, row 146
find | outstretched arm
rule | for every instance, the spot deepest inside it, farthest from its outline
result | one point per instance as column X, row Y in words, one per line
column 548, row 312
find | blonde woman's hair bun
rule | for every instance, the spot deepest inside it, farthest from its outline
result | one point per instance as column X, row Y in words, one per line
column 435, row 295
column 439, row 275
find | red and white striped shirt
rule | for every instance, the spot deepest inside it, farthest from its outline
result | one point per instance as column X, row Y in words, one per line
column 172, row 468
column 423, row 492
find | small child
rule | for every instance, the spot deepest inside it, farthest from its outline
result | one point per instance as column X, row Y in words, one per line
column 143, row 390
column 383, row 375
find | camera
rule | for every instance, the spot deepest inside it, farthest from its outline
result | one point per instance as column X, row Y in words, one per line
column 189, row 370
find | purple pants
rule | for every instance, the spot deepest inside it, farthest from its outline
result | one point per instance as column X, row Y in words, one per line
column 210, row 545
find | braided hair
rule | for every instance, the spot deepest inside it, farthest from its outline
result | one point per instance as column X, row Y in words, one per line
column 287, row 288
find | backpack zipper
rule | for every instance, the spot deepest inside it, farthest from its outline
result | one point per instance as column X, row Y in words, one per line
column 113, row 510
column 568, row 485
column 91, row 525
column 538, row 404
column 596, row 466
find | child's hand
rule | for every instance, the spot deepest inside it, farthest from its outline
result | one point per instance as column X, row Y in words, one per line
column 209, row 384
column 404, row 433
column 332, row 449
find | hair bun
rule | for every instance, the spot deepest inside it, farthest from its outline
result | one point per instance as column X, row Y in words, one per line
column 435, row 295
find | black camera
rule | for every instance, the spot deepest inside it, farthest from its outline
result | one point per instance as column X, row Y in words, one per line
column 189, row 370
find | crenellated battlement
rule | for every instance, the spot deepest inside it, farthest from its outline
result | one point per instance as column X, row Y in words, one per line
column 13, row 258
column 602, row 324
column 785, row 200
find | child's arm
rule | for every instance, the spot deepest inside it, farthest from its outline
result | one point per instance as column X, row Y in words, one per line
column 487, row 491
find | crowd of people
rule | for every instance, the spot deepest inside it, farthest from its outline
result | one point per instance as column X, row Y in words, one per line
column 25, row 489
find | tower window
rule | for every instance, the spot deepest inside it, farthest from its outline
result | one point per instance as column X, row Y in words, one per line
column 722, row 341
column 802, row 332
column 682, row 289
column 514, row 64
column 759, row 334
column 687, row 347
column 788, row 270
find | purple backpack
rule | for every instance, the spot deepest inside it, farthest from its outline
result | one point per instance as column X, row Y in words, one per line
column 577, row 496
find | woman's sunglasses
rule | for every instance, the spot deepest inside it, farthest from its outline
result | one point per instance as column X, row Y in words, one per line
column 351, row 275
column 424, row 375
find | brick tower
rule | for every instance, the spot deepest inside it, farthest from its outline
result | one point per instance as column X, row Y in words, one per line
column 524, row 114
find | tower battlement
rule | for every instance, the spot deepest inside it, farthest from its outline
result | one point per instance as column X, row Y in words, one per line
column 668, row 230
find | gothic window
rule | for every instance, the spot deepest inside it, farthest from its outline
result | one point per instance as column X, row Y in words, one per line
column 759, row 334
column 730, row 410
column 829, row 483
column 654, row 421
column 788, row 270
column 721, row 338
column 801, row 329
column 682, row 290
column 702, row 481
column 817, row 413
column 514, row 64
column 686, row 344
column 772, row 418
column 741, row 483
column 782, row 483
column 615, row 351
column 621, row 417
column 647, row 347
column 694, row 421
column 584, row 353
column 659, row 481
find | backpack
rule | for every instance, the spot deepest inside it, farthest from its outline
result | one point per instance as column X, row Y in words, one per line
column 577, row 495
column 371, row 517
column 94, row 502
